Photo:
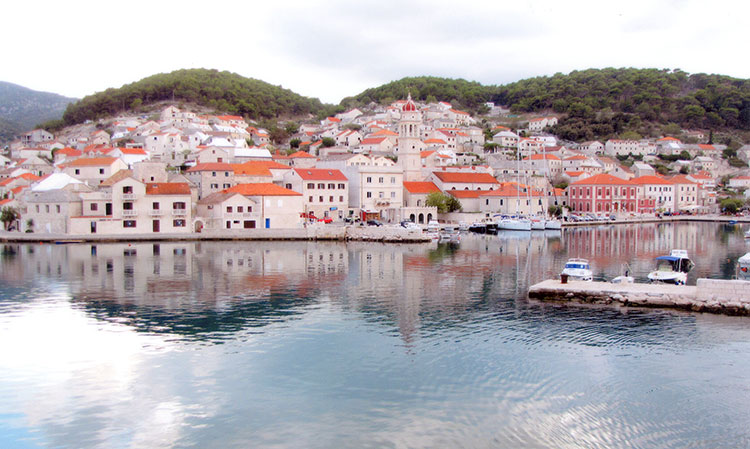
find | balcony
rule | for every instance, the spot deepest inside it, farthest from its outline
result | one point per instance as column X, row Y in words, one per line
column 155, row 213
column 128, row 196
column 179, row 212
column 129, row 212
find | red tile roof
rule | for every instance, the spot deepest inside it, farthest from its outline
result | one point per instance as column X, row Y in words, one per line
column 301, row 154
column 211, row 166
column 167, row 188
column 541, row 157
column 251, row 170
column 261, row 189
column 465, row 193
column 437, row 141
column 372, row 140
column 475, row 178
column 320, row 174
column 650, row 180
column 420, row 187
column 603, row 179
column 139, row 151
column 92, row 161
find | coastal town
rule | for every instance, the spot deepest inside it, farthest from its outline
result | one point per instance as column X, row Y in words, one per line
column 180, row 172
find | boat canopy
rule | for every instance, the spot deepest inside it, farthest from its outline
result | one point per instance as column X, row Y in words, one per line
column 669, row 258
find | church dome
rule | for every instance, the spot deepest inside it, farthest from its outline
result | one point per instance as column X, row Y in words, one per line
column 409, row 107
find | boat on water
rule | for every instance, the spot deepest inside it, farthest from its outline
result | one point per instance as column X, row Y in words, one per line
column 538, row 224
column 578, row 270
column 624, row 277
column 433, row 230
column 672, row 269
column 478, row 227
column 514, row 224
column 553, row 225
column 463, row 226
column 747, row 234
column 743, row 268
column 450, row 234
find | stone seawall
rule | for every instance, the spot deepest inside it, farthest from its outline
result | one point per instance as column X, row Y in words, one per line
column 327, row 232
column 728, row 297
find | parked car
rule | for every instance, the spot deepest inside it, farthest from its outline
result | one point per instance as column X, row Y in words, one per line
column 374, row 223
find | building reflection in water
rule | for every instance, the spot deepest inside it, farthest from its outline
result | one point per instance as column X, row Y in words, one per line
column 208, row 290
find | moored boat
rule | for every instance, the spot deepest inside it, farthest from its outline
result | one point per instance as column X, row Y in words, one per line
column 743, row 268
column 553, row 225
column 672, row 269
column 578, row 270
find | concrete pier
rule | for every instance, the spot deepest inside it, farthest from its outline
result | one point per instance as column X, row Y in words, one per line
column 730, row 297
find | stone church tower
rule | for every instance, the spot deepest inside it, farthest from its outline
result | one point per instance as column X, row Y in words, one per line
column 409, row 143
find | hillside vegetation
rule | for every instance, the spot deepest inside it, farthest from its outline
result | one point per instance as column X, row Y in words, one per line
column 595, row 103
column 459, row 92
column 22, row 108
column 612, row 101
column 224, row 92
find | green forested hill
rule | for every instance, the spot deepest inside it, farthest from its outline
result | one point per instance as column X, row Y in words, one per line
column 223, row 91
column 461, row 93
column 610, row 101
column 595, row 102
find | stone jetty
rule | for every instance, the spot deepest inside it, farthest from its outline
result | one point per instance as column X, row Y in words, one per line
column 730, row 297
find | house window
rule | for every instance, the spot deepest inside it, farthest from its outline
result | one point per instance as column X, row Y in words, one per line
column 226, row 173
column 155, row 206
column 127, row 206
column 369, row 179
column 393, row 194
column 311, row 185
column 380, row 180
column 229, row 209
column 310, row 200
column 369, row 194
column 214, row 186
column 46, row 208
column 93, row 206
column 393, row 180
column 101, row 171
column 78, row 171
column 179, row 205
column 321, row 186
column 487, row 202
column 341, row 199
column 331, row 186
column 57, row 208
column 330, row 199
column 213, row 173
column 320, row 199
column 288, row 186
column 380, row 195
column 128, row 223
column 127, row 190
column 178, row 223
column 226, row 186
column 342, row 186
column 240, row 209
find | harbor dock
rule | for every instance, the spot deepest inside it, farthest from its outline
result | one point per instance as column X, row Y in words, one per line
column 730, row 297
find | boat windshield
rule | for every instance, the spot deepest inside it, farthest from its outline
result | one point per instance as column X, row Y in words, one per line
column 577, row 265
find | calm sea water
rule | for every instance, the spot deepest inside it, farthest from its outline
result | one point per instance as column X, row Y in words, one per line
column 323, row 345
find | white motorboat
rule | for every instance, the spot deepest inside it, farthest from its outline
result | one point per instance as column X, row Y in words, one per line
column 624, row 277
column 553, row 225
column 433, row 230
column 747, row 234
column 463, row 226
column 672, row 269
column 743, row 268
column 578, row 270
column 515, row 224
column 450, row 234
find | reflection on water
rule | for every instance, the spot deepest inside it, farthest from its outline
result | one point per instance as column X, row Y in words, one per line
column 237, row 344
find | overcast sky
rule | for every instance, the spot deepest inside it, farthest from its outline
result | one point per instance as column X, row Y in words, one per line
column 335, row 49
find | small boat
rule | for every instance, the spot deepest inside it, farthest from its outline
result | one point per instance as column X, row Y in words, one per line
column 672, row 269
column 743, row 268
column 478, row 227
column 463, row 226
column 578, row 270
column 433, row 230
column 624, row 277
column 553, row 225
column 450, row 234
column 747, row 234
